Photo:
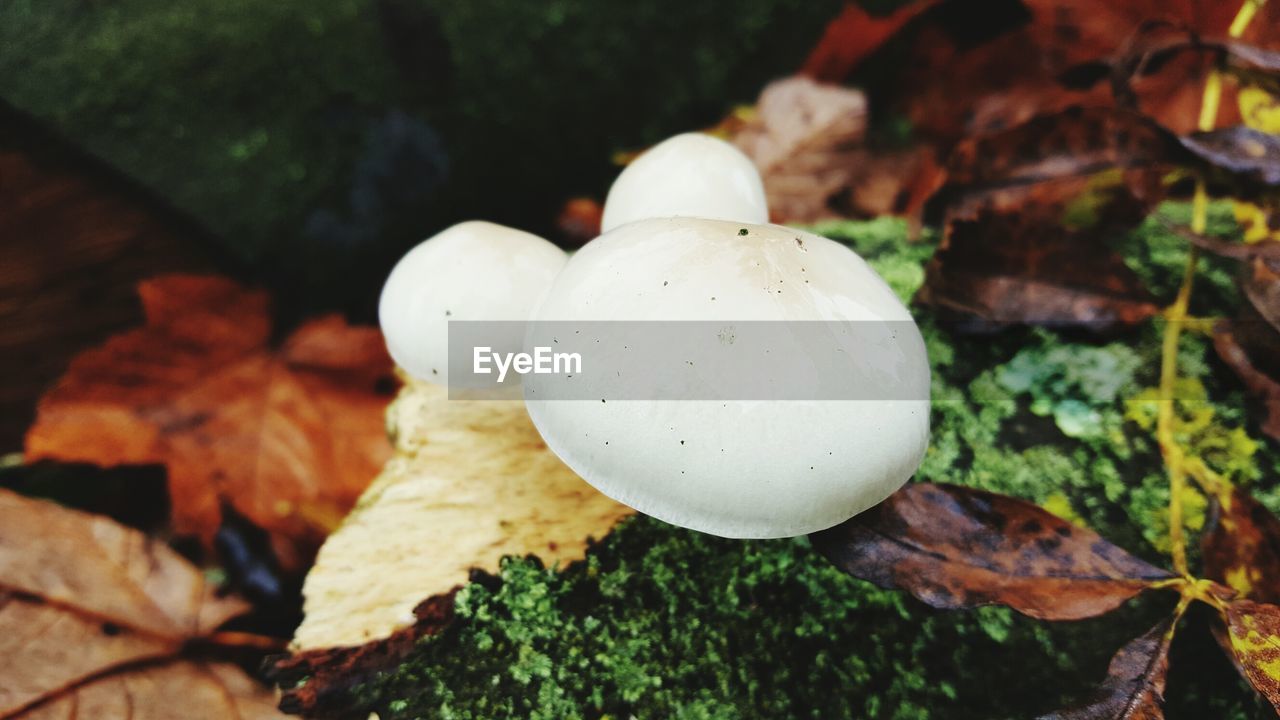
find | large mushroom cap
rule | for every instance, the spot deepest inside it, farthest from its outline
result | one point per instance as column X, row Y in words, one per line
column 745, row 468
column 689, row 175
column 472, row 271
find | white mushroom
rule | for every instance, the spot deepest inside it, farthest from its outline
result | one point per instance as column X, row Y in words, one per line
column 689, row 175
column 744, row 468
column 471, row 271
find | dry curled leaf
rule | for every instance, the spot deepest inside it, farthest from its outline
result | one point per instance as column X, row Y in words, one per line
column 90, row 609
column 1254, row 631
column 805, row 138
column 288, row 435
column 956, row 547
column 1134, row 686
column 1241, row 547
column 471, row 482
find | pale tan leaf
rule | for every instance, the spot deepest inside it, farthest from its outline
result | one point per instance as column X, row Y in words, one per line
column 45, row 648
column 106, row 570
column 84, row 604
column 470, row 483
column 180, row 690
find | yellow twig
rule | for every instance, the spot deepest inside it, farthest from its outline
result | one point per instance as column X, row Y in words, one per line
column 1174, row 457
column 1209, row 481
column 1169, row 448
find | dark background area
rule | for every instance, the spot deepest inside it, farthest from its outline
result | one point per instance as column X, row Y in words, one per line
column 306, row 145
column 315, row 142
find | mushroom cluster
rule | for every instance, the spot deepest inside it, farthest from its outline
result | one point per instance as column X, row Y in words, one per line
column 686, row 238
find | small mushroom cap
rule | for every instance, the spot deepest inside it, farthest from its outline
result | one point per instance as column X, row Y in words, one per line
column 472, row 271
column 739, row 468
column 689, row 175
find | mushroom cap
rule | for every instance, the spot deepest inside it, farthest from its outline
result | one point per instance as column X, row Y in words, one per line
column 738, row 468
column 689, row 175
column 471, row 271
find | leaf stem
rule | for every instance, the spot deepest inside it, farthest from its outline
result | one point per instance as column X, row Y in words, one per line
column 1175, row 316
column 234, row 639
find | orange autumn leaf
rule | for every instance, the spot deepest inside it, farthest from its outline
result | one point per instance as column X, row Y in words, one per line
column 93, row 616
column 288, row 434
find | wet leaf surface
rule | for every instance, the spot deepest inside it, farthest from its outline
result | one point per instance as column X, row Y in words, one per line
column 1134, row 686
column 955, row 547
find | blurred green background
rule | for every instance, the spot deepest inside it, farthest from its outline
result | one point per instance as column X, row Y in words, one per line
column 319, row 140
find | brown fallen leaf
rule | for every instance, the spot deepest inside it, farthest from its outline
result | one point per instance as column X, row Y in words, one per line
column 288, row 435
column 1028, row 210
column 1134, row 686
column 1250, row 155
column 1001, row 269
column 1250, row 344
column 854, row 35
column 1254, row 631
column 1051, row 159
column 471, row 482
column 955, row 547
column 1267, row 249
column 952, row 89
column 181, row 690
column 1261, row 384
column 322, row 678
column 1156, row 41
column 892, row 182
column 1241, row 547
column 88, row 607
column 805, row 138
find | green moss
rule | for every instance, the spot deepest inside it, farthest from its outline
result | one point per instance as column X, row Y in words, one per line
column 662, row 622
